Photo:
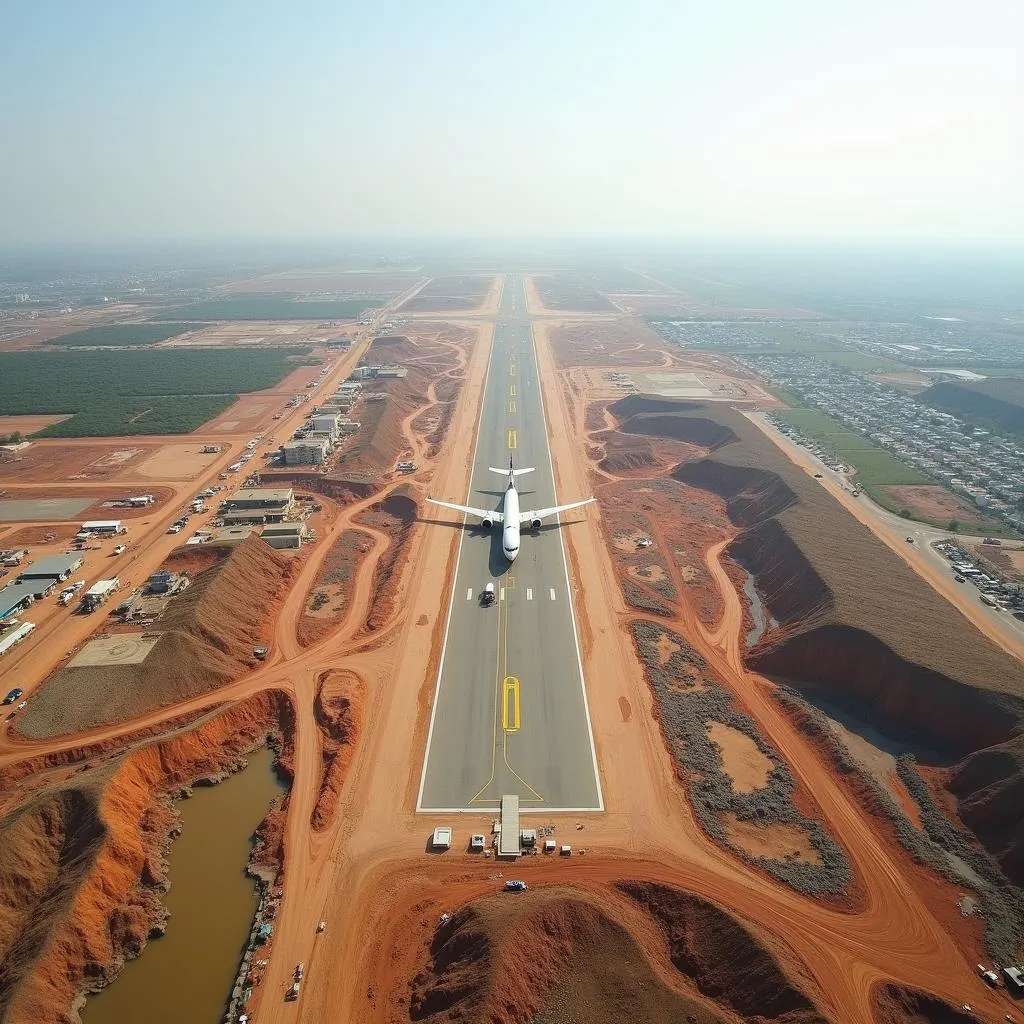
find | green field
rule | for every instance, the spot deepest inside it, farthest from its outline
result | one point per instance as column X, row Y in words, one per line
column 273, row 306
column 120, row 335
column 875, row 467
column 137, row 391
column 833, row 352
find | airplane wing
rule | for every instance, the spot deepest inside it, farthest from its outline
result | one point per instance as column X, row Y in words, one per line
column 483, row 513
column 543, row 513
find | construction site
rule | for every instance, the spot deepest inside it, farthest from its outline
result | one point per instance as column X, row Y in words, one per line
column 791, row 766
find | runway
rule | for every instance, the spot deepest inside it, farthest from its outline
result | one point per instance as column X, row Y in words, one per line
column 510, row 712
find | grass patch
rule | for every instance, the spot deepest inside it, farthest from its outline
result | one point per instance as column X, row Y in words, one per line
column 136, row 391
column 119, row 335
column 827, row 351
column 875, row 467
column 273, row 306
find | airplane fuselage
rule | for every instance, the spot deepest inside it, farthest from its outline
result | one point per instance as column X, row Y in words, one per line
column 510, row 523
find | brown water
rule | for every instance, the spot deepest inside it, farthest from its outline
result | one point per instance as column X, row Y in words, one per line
column 186, row 976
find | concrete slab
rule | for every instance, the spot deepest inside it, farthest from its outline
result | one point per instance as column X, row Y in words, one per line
column 124, row 649
column 21, row 510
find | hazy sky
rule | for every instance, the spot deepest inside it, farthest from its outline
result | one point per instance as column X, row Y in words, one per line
column 564, row 117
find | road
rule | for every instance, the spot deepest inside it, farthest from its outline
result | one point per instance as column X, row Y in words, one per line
column 510, row 711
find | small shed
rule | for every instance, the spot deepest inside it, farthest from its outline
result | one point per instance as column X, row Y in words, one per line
column 442, row 838
column 1013, row 977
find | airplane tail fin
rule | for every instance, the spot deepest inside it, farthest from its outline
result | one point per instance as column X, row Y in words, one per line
column 512, row 473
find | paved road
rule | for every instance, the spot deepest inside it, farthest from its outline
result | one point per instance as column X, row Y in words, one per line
column 510, row 712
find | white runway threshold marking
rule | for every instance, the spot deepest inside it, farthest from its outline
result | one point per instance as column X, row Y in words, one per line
column 529, row 594
column 552, row 593
column 469, row 594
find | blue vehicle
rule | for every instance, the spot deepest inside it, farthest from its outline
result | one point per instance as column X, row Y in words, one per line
column 514, row 885
column 13, row 695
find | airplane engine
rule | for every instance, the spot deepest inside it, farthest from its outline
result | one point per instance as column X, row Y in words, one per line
column 486, row 523
column 534, row 524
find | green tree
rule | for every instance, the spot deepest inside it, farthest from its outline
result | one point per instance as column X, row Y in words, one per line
column 954, row 525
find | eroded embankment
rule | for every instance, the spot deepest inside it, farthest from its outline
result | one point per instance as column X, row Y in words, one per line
column 84, row 866
column 559, row 955
column 858, row 626
column 338, row 711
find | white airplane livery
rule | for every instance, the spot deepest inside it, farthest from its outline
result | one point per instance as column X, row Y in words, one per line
column 511, row 518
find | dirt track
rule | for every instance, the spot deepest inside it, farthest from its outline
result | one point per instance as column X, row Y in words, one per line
column 366, row 873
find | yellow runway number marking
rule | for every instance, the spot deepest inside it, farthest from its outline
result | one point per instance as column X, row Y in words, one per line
column 510, row 704
column 511, row 439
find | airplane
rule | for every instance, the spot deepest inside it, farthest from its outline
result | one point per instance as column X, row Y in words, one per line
column 511, row 518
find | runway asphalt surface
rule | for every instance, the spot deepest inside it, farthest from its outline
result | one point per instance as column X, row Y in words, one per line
column 510, row 713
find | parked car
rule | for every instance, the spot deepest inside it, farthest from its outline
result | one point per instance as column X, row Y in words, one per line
column 175, row 529
column 120, row 549
column 515, row 885
column 13, row 695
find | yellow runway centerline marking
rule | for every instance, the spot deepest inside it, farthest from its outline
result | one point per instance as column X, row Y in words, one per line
column 511, row 369
column 511, row 439
column 512, row 391
column 510, row 704
column 511, row 406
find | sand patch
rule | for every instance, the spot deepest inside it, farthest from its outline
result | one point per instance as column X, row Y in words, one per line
column 773, row 842
column 26, row 425
column 175, row 462
column 666, row 648
column 648, row 573
column 743, row 762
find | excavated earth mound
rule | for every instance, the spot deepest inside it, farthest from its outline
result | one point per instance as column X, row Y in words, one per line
column 46, row 850
column 549, row 957
column 896, row 1005
column 207, row 637
column 858, row 625
column 723, row 958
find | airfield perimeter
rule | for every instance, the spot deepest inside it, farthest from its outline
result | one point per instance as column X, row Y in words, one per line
column 365, row 872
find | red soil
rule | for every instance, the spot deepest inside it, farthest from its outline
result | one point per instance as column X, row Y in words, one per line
column 102, row 899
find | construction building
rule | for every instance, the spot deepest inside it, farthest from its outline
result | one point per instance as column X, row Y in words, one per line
column 15, row 597
column 326, row 423
column 103, row 526
column 307, row 452
column 285, row 535
column 54, row 567
column 272, row 502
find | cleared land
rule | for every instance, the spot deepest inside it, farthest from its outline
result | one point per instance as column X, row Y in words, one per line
column 569, row 293
column 122, row 335
column 450, row 294
column 136, row 391
column 327, row 285
column 272, row 306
